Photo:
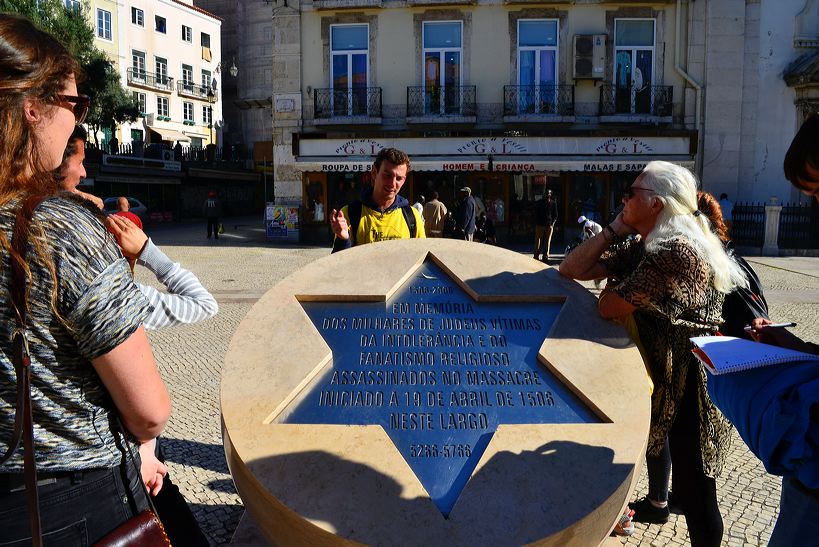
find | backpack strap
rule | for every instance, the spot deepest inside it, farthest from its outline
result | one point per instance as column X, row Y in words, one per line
column 409, row 217
column 354, row 213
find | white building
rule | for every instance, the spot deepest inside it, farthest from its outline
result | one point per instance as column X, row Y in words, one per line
column 172, row 51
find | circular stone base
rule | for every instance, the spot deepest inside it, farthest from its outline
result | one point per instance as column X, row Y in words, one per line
column 335, row 484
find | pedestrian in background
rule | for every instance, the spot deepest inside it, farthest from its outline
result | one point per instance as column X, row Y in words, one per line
column 545, row 219
column 212, row 210
column 434, row 215
column 727, row 207
column 123, row 210
column 465, row 214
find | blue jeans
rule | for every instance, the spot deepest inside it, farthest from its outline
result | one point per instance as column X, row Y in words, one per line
column 75, row 509
column 797, row 523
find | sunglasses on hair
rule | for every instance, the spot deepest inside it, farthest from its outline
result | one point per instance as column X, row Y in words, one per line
column 79, row 105
column 631, row 189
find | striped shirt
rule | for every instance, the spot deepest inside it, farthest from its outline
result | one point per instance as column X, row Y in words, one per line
column 186, row 301
column 101, row 307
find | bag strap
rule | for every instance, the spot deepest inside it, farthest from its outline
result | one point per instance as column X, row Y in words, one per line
column 22, row 362
column 136, row 467
column 409, row 217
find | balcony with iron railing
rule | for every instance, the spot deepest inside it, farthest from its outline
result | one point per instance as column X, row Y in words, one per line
column 186, row 88
column 435, row 104
column 538, row 103
column 651, row 103
column 150, row 80
column 358, row 105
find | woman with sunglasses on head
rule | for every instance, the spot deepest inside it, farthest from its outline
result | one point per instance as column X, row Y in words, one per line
column 672, row 283
column 90, row 360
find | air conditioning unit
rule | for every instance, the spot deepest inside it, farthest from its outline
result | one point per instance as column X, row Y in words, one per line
column 167, row 155
column 589, row 56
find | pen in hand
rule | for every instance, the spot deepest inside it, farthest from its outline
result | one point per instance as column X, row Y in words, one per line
column 777, row 325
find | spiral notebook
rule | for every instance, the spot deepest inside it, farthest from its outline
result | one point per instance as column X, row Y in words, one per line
column 723, row 354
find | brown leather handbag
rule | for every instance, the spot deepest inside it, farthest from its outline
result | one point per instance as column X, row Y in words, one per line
column 144, row 529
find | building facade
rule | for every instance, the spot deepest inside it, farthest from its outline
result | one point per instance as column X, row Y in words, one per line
column 172, row 52
column 513, row 97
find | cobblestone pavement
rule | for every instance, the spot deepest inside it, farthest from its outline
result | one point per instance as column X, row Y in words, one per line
column 241, row 266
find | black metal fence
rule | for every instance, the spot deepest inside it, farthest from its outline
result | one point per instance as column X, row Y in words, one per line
column 190, row 89
column 748, row 224
column 523, row 100
column 654, row 100
column 441, row 101
column 799, row 226
column 341, row 103
column 149, row 79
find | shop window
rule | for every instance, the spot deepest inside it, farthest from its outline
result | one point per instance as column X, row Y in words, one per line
column 315, row 200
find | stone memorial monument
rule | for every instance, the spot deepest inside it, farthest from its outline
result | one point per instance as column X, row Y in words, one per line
column 431, row 392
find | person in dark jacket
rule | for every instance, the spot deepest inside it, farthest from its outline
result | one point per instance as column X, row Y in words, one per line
column 545, row 218
column 212, row 210
column 465, row 214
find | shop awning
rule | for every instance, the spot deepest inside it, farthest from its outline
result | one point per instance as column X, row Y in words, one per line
column 170, row 134
column 500, row 164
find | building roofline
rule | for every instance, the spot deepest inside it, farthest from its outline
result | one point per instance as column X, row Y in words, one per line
column 197, row 8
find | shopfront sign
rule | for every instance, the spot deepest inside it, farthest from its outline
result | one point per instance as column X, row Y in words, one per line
column 503, row 165
column 466, row 147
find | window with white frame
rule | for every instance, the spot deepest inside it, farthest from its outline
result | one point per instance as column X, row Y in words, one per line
column 634, row 44
column 160, row 24
column 187, row 77
column 138, row 65
column 141, row 100
column 204, row 39
column 161, row 65
column 74, row 5
column 187, row 34
column 207, row 115
column 349, row 52
column 137, row 17
column 187, row 111
column 162, row 108
column 103, row 24
column 443, row 68
column 206, row 79
column 537, row 65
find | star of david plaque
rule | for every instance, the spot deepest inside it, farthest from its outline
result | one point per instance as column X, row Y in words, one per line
column 439, row 372
column 432, row 392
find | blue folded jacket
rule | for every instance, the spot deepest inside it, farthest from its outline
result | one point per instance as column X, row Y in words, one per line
column 776, row 412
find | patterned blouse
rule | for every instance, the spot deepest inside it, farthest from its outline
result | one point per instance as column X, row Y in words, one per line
column 100, row 308
column 675, row 298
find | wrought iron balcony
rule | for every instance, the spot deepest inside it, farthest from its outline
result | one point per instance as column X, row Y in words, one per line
column 650, row 100
column 538, row 100
column 159, row 82
column 347, row 103
column 441, row 101
column 190, row 89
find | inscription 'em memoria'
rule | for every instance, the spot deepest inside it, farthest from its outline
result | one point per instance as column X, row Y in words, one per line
column 439, row 372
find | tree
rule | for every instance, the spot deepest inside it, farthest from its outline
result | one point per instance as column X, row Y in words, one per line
column 110, row 103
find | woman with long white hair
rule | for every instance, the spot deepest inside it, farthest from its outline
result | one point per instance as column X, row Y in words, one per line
column 669, row 285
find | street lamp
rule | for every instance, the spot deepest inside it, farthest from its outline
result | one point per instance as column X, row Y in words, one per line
column 211, row 99
column 233, row 70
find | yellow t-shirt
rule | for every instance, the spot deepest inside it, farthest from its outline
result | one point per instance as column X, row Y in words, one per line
column 376, row 226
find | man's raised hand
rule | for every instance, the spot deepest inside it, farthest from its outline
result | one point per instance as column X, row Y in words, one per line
column 339, row 225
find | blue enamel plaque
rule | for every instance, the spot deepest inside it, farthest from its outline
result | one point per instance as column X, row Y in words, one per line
column 439, row 372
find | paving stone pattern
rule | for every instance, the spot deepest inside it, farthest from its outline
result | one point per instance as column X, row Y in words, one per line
column 242, row 265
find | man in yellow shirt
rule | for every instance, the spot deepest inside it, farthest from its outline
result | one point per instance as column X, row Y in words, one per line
column 381, row 214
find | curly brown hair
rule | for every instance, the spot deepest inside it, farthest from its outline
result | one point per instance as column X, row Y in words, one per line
column 709, row 206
